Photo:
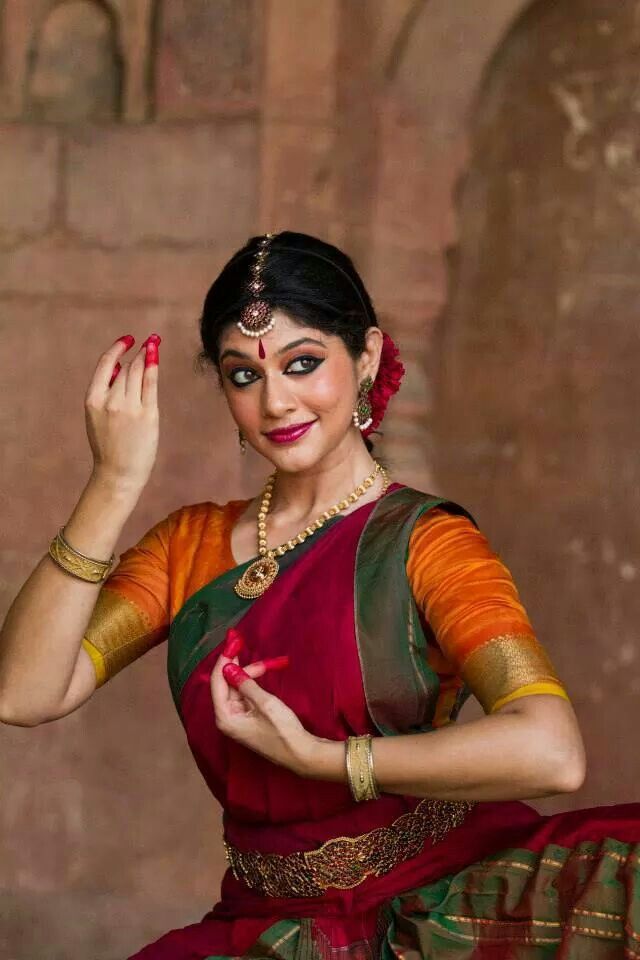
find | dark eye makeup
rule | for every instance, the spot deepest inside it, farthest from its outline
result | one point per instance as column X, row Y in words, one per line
column 309, row 362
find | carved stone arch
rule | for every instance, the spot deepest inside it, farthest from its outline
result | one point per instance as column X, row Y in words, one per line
column 75, row 68
column 431, row 55
column 21, row 26
column 537, row 357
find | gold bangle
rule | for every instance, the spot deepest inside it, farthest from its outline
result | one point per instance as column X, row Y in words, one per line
column 76, row 563
column 359, row 760
column 372, row 778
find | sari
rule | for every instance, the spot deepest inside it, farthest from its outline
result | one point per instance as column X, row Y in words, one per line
column 490, row 879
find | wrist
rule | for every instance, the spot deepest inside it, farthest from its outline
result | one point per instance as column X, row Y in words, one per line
column 323, row 759
column 99, row 516
column 111, row 485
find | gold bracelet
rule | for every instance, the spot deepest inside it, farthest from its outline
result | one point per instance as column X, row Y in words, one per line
column 359, row 758
column 76, row 563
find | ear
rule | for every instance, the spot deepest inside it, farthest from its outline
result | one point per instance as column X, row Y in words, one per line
column 369, row 360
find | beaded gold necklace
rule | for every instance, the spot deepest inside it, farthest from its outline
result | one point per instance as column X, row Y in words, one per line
column 259, row 575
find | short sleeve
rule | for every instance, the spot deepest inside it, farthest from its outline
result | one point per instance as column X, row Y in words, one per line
column 131, row 614
column 468, row 597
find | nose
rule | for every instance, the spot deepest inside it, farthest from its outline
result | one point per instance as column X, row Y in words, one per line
column 277, row 398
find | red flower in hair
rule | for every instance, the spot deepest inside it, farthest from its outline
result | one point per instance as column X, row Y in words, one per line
column 386, row 383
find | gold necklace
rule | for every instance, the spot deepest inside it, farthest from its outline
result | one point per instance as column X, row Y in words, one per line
column 259, row 576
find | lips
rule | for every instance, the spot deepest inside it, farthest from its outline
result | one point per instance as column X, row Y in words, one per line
column 288, row 434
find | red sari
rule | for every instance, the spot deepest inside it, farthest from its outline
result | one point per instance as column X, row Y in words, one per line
column 505, row 881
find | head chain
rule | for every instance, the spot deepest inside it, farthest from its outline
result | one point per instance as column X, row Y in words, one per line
column 255, row 318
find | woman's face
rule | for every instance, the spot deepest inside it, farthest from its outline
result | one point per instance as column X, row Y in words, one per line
column 307, row 379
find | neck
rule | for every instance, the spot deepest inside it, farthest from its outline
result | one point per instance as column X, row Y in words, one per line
column 305, row 493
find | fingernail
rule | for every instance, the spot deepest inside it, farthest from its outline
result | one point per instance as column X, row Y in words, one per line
column 233, row 643
column 234, row 675
column 116, row 371
column 275, row 663
column 151, row 357
column 153, row 337
column 127, row 339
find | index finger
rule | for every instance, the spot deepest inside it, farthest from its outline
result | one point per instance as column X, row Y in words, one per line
column 105, row 366
column 149, row 380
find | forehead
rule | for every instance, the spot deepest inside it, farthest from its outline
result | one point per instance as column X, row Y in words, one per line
column 284, row 331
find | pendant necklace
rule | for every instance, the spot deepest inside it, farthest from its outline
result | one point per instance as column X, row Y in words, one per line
column 259, row 575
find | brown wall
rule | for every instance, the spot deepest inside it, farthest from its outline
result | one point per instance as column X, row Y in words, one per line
column 141, row 144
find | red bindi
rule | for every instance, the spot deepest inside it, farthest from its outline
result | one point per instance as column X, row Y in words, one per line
column 261, row 352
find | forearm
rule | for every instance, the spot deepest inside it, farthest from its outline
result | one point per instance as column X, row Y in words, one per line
column 514, row 754
column 43, row 629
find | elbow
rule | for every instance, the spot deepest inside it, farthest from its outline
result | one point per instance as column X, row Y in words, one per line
column 552, row 742
column 572, row 779
column 569, row 769
column 18, row 718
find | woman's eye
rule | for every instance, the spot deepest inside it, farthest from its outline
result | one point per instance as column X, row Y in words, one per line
column 243, row 376
column 239, row 378
column 308, row 364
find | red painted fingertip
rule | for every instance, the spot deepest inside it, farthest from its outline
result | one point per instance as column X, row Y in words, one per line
column 275, row 663
column 151, row 357
column 233, row 643
column 234, row 675
column 127, row 339
column 116, row 371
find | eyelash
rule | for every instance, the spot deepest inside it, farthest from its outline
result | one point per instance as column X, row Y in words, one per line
column 316, row 363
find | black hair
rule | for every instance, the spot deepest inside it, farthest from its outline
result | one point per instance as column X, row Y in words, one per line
column 312, row 281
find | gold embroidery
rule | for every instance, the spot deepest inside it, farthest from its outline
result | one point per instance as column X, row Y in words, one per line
column 504, row 664
column 118, row 633
column 525, row 924
column 512, row 863
column 344, row 862
column 598, row 913
column 487, row 921
column 284, row 938
column 526, row 938
column 596, row 932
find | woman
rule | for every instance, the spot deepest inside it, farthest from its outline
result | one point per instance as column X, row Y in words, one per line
column 318, row 678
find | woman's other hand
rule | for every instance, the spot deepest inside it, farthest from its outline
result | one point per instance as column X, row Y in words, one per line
column 248, row 714
column 121, row 412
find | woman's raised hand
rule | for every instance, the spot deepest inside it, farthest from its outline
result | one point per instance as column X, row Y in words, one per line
column 121, row 412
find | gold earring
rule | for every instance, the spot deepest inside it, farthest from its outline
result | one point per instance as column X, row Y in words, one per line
column 362, row 414
column 242, row 441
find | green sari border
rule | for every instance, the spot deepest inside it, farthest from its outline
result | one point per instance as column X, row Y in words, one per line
column 203, row 620
column 400, row 687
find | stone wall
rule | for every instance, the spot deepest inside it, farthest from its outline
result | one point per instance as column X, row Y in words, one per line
column 141, row 143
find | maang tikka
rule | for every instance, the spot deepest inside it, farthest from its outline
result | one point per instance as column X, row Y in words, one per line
column 256, row 318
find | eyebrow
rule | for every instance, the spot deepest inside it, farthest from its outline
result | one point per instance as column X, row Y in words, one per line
column 289, row 346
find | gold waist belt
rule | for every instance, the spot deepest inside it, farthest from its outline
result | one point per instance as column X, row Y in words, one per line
column 344, row 862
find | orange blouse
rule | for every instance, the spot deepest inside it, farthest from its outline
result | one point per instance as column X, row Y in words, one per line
column 482, row 635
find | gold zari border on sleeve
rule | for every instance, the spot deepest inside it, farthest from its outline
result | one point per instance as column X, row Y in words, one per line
column 504, row 665
column 117, row 634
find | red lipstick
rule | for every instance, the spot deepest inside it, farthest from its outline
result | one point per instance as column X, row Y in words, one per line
column 289, row 434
